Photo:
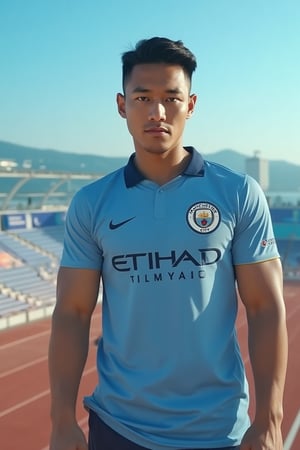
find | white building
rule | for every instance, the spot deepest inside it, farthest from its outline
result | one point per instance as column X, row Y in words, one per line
column 258, row 168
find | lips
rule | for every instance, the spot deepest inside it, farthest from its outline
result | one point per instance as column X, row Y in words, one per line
column 156, row 129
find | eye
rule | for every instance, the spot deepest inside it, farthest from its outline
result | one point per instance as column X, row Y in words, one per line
column 172, row 99
column 142, row 98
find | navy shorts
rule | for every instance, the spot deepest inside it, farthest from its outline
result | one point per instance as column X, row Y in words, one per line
column 102, row 437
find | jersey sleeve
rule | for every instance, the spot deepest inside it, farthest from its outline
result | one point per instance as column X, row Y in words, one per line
column 254, row 239
column 80, row 248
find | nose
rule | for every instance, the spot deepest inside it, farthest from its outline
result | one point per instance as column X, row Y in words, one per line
column 157, row 111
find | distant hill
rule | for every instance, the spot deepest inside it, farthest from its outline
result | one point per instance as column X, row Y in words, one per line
column 58, row 161
column 284, row 176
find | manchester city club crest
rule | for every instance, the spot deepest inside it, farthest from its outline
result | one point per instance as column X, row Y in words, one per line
column 203, row 217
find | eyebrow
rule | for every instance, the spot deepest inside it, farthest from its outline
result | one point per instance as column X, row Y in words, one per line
column 140, row 89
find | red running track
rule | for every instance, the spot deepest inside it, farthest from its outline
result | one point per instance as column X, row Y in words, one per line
column 24, row 385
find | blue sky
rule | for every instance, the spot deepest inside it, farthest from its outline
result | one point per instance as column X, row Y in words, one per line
column 61, row 70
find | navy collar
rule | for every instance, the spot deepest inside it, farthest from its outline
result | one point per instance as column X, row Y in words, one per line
column 195, row 168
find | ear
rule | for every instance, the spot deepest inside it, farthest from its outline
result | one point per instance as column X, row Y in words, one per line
column 191, row 105
column 121, row 105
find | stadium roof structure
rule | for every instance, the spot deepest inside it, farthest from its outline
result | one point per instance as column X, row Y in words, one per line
column 21, row 190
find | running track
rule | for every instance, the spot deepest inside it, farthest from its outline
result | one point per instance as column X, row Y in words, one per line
column 24, row 387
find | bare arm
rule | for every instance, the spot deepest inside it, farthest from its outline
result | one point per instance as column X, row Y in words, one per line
column 77, row 292
column 260, row 288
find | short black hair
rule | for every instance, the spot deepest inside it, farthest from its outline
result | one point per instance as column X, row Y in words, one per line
column 158, row 50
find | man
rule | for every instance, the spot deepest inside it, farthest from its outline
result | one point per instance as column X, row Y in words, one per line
column 170, row 235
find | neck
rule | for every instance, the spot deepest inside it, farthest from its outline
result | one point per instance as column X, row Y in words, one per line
column 162, row 167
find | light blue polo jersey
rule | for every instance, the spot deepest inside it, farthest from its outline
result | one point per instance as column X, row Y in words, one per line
column 171, row 374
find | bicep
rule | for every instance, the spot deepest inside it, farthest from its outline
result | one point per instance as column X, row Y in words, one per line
column 260, row 285
column 77, row 290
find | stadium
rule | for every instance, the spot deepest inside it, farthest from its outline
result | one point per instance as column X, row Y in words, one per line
column 32, row 210
column 33, row 205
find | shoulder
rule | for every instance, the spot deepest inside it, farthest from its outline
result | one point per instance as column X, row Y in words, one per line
column 102, row 186
column 89, row 200
column 229, row 178
column 213, row 168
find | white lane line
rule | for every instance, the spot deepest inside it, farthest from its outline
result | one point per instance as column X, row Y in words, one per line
column 23, row 366
column 36, row 397
column 292, row 434
column 33, row 336
column 24, row 403
column 37, row 361
column 26, row 339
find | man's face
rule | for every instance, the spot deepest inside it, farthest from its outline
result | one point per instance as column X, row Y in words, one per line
column 156, row 104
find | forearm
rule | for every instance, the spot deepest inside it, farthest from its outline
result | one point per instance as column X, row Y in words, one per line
column 68, row 351
column 268, row 355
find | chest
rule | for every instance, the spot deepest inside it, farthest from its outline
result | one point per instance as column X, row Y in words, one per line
column 164, row 226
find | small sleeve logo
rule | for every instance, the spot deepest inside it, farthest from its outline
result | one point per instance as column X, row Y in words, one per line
column 268, row 242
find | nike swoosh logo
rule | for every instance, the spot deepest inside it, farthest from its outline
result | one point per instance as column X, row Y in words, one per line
column 114, row 226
